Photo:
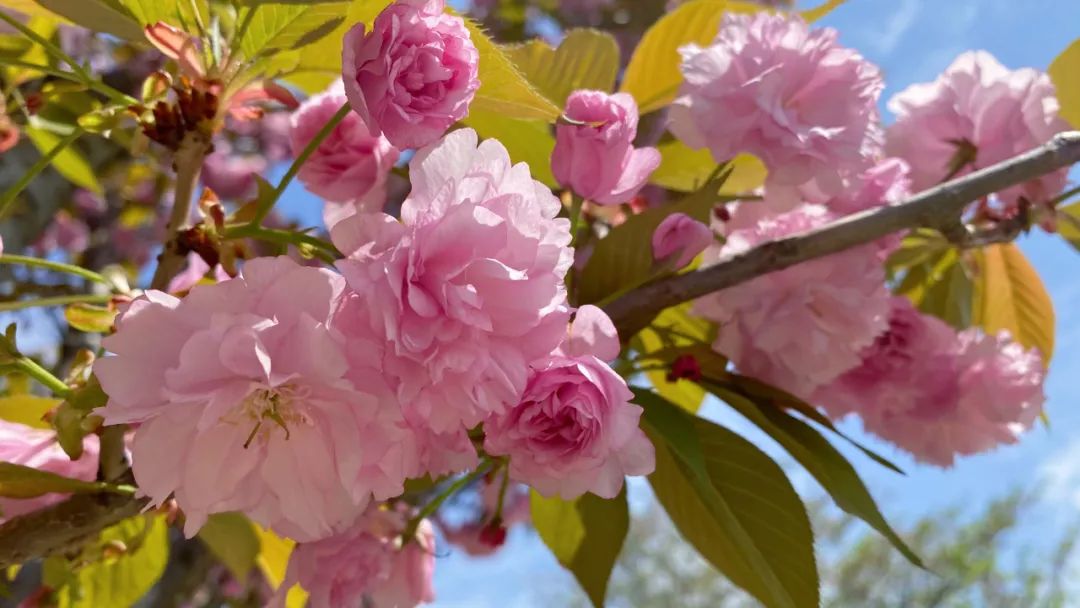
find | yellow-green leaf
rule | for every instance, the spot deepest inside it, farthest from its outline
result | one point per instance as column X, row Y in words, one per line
column 940, row 284
column 503, row 88
column 1068, row 223
column 177, row 13
column 69, row 162
column 95, row 15
column 119, row 581
column 277, row 25
column 273, row 558
column 585, row 59
column 1065, row 72
column 319, row 63
column 232, row 539
column 90, row 318
column 684, row 169
column 1010, row 295
column 653, row 76
column 27, row 409
column 676, row 331
column 527, row 141
column 585, row 535
column 733, row 504
column 17, row 481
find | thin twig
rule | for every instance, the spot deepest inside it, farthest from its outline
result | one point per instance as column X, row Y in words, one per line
column 934, row 208
column 189, row 160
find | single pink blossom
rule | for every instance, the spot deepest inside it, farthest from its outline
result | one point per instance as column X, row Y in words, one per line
column 245, row 406
column 38, row 449
column 66, row 233
column 366, row 565
column 770, row 86
column 681, row 238
column 594, row 151
column 801, row 327
column 350, row 167
column 468, row 287
column 976, row 114
column 575, row 430
column 413, row 74
column 195, row 273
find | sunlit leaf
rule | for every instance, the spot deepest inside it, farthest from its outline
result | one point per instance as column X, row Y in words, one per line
column 585, row 535
column 684, row 169
column 232, row 539
column 95, row 15
column 1065, row 72
column 27, row 409
column 1068, row 223
column 585, row 59
column 273, row 558
column 69, row 162
column 119, row 580
column 90, row 318
column 503, row 88
column 177, row 13
column 319, row 63
column 813, row 14
column 676, row 331
column 1010, row 296
column 733, row 504
column 276, row 25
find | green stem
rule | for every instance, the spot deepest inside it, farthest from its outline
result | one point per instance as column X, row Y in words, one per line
column 13, row 192
column 575, row 217
column 30, row 367
column 55, row 301
column 1064, row 196
column 90, row 83
column 434, row 504
column 321, row 249
column 23, row 260
column 502, row 493
column 309, row 149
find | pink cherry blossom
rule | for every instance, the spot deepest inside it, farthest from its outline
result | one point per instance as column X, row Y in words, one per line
column 575, row 430
column 350, row 167
column 468, row 288
column 232, row 176
column 365, row 565
column 976, row 114
column 244, row 404
column 413, row 74
column 801, row 327
column 792, row 96
column 195, row 273
column 681, row 238
column 594, row 151
column 38, row 448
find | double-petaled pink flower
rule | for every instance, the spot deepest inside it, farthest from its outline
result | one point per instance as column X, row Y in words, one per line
column 38, row 449
column 594, row 151
column 413, row 74
column 575, row 430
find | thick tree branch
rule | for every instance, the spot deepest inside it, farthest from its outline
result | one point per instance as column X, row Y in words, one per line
column 938, row 207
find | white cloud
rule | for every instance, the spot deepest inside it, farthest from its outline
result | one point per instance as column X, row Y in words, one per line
column 885, row 40
column 1061, row 474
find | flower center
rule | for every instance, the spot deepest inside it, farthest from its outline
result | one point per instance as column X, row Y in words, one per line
column 270, row 407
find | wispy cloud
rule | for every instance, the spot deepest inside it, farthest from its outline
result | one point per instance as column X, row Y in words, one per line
column 885, row 40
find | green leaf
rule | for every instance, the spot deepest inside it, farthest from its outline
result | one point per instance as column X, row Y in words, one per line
column 1065, row 72
column 319, row 63
column 819, row 457
column 177, row 13
column 684, row 169
column 653, row 75
column 273, row 26
column 503, row 88
column 90, row 318
column 733, row 504
column 119, row 581
column 673, row 333
column 585, row 59
column 69, row 162
column 27, row 409
column 585, row 535
column 232, row 539
column 623, row 259
column 17, row 481
column 95, row 15
column 1009, row 295
column 527, row 141
column 939, row 283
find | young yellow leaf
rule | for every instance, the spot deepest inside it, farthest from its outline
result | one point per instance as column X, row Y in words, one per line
column 273, row 558
column 585, row 59
column 1010, row 295
column 27, row 409
column 503, row 88
column 527, row 141
column 1065, row 72
column 69, row 162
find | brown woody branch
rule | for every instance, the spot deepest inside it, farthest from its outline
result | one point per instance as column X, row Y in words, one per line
column 63, row 526
column 939, row 207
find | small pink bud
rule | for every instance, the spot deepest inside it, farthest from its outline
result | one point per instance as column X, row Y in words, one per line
column 680, row 237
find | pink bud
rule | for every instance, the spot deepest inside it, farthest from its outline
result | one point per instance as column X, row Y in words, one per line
column 682, row 237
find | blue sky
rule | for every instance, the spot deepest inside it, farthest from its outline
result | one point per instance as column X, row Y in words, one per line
column 913, row 41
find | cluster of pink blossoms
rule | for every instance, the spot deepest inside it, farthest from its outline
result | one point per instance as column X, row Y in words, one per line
column 828, row 330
